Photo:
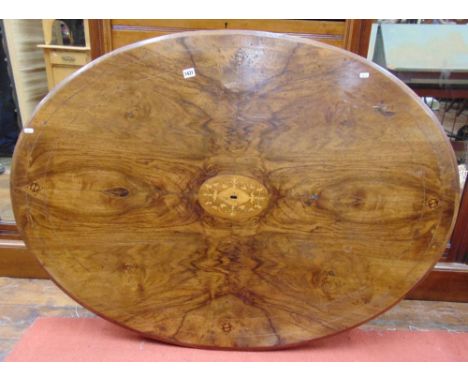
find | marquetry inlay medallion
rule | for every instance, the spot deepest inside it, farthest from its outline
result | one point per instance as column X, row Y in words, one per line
column 234, row 197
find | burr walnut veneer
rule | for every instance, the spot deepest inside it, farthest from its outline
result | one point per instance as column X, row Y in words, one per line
column 234, row 189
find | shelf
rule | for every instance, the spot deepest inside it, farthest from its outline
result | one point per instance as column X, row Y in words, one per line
column 65, row 47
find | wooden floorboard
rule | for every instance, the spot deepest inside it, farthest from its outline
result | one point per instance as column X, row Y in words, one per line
column 23, row 300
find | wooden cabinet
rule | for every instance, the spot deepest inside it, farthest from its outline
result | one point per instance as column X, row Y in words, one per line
column 63, row 60
column 69, row 57
column 107, row 35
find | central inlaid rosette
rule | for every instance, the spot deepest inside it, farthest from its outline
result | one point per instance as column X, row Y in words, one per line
column 234, row 197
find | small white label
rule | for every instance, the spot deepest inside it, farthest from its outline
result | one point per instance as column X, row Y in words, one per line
column 28, row 130
column 188, row 73
column 364, row 75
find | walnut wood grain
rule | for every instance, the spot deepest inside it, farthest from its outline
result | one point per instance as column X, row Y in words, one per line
column 339, row 33
column 361, row 185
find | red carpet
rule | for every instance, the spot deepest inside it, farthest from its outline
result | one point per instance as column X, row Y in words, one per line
column 93, row 339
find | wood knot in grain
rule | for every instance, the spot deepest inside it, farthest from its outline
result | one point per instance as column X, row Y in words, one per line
column 226, row 326
column 117, row 191
column 433, row 203
column 139, row 111
column 128, row 268
column 34, row 187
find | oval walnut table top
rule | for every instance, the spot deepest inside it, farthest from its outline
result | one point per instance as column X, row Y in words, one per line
column 280, row 191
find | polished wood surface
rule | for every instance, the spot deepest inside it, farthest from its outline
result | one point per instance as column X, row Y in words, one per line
column 361, row 189
column 22, row 301
column 127, row 31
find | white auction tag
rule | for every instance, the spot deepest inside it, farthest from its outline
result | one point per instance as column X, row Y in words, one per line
column 188, row 73
column 364, row 75
column 28, row 130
